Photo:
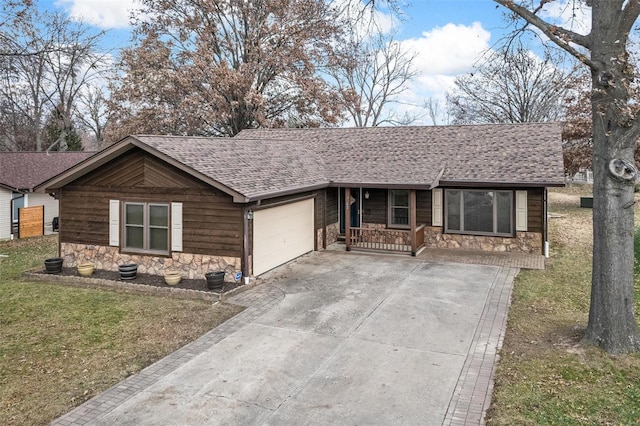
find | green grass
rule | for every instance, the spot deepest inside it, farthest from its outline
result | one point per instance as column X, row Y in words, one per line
column 545, row 375
column 59, row 345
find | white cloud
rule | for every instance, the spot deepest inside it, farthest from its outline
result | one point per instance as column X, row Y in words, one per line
column 106, row 14
column 442, row 54
column 451, row 49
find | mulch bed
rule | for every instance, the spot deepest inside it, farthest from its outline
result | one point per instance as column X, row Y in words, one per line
column 153, row 280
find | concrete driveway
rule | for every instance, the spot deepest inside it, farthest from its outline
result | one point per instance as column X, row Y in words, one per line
column 332, row 338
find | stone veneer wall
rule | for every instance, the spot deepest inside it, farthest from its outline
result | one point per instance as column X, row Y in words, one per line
column 400, row 237
column 319, row 233
column 527, row 242
column 333, row 230
column 108, row 258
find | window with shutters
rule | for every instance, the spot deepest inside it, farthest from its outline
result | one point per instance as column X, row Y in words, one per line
column 146, row 227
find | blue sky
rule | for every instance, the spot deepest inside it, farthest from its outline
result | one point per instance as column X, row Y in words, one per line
column 448, row 36
column 424, row 15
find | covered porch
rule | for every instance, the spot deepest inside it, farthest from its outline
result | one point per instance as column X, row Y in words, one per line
column 383, row 219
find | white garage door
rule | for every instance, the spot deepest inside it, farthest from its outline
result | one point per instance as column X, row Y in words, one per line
column 281, row 233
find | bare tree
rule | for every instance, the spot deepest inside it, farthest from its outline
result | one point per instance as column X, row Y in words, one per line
column 49, row 62
column 23, row 78
column 91, row 110
column 369, row 73
column 436, row 112
column 616, row 128
column 577, row 143
column 513, row 87
column 215, row 68
column 71, row 70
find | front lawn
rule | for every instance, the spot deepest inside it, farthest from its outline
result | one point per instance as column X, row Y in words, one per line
column 60, row 346
column 545, row 376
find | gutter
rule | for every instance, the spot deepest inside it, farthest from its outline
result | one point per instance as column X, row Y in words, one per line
column 485, row 184
column 265, row 195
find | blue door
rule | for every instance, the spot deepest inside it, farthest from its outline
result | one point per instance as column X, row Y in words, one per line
column 355, row 201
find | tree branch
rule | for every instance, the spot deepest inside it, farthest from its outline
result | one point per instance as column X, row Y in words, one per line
column 561, row 36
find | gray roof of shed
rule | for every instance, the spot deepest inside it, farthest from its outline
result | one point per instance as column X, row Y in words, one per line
column 22, row 171
column 263, row 163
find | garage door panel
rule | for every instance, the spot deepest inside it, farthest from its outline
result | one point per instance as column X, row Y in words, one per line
column 282, row 233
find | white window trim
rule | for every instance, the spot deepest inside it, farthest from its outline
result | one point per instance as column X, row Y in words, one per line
column 146, row 227
column 462, row 231
column 390, row 224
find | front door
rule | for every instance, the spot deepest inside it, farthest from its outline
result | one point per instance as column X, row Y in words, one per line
column 356, row 203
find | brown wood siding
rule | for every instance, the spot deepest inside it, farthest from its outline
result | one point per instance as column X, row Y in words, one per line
column 535, row 210
column 374, row 209
column 212, row 223
column 423, row 208
column 138, row 169
column 318, row 212
column 332, row 205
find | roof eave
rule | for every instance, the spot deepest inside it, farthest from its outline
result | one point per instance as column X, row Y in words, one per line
column 495, row 184
column 288, row 191
column 237, row 196
column 9, row 187
column 121, row 147
column 85, row 166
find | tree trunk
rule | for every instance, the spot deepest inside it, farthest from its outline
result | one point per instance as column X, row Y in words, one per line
column 612, row 323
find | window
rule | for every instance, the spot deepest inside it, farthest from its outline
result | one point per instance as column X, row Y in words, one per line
column 479, row 212
column 146, row 227
column 399, row 208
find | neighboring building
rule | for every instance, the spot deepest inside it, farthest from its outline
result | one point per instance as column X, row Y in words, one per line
column 264, row 197
column 584, row 176
column 20, row 172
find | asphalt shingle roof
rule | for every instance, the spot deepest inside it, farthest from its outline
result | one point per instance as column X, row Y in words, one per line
column 528, row 154
column 250, row 167
column 268, row 161
column 24, row 170
column 263, row 163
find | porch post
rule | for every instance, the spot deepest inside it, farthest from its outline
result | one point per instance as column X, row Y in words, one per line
column 347, row 217
column 412, row 220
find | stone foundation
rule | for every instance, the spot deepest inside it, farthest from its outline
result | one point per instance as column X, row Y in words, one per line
column 333, row 230
column 319, row 234
column 108, row 258
column 527, row 242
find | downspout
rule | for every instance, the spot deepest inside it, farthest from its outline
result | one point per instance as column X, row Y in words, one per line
column 12, row 208
column 60, row 206
column 545, row 220
column 324, row 219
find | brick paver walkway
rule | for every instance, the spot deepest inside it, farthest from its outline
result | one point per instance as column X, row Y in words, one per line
column 257, row 301
column 476, row 257
column 474, row 389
